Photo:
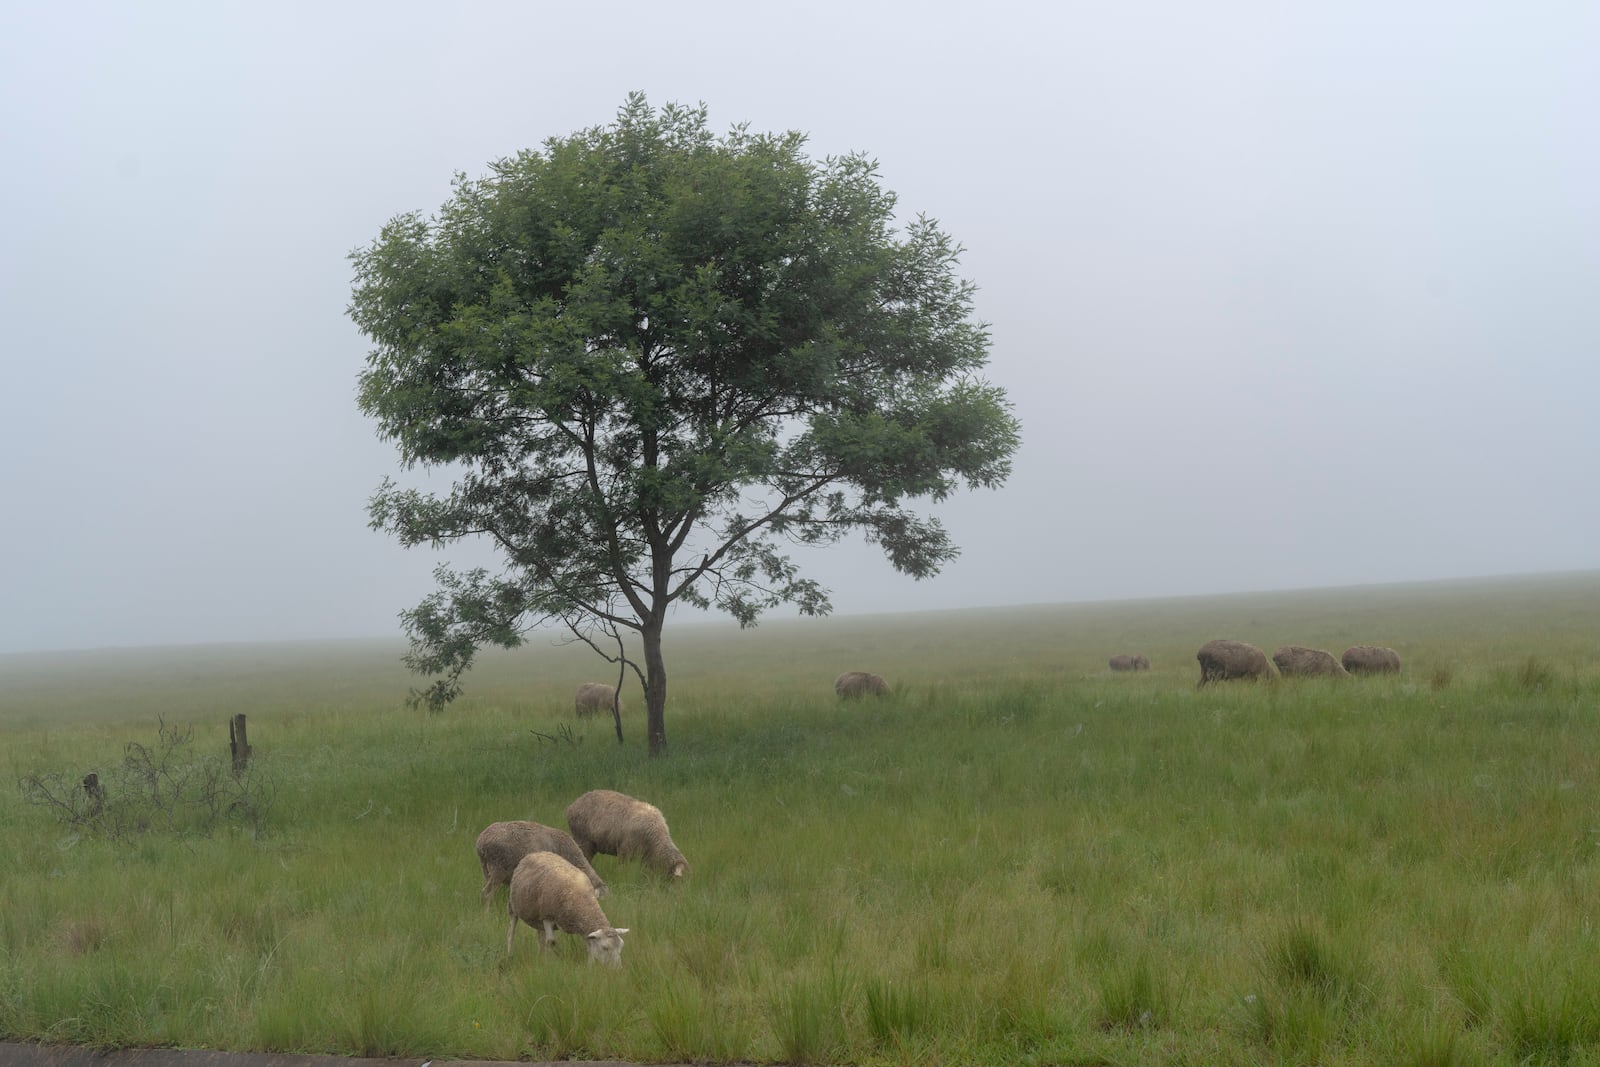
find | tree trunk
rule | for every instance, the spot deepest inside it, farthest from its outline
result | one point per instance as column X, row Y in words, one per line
column 655, row 688
column 616, row 690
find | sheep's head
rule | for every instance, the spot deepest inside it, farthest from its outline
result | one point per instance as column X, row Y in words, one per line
column 670, row 861
column 605, row 945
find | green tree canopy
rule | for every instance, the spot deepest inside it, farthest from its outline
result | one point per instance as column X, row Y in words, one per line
column 654, row 358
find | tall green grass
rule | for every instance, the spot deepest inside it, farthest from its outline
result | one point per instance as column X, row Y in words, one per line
column 1019, row 857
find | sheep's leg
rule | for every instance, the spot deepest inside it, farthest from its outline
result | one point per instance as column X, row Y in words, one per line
column 488, row 888
column 510, row 934
column 549, row 933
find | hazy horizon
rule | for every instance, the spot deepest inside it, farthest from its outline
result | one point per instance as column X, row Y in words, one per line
column 1284, row 297
column 695, row 618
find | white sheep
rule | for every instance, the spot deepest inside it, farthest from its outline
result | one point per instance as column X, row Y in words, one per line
column 603, row 820
column 595, row 697
column 550, row 894
column 502, row 845
column 853, row 684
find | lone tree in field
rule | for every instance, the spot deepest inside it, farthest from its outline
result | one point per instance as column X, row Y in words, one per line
column 653, row 356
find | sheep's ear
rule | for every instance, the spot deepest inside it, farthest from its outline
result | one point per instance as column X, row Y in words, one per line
column 594, row 935
column 620, row 929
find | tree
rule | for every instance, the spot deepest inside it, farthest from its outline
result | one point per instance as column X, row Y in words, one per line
column 653, row 357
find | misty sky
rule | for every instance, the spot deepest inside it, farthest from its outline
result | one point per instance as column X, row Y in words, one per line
column 1284, row 294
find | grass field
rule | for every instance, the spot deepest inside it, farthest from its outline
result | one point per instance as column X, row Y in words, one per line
column 1020, row 857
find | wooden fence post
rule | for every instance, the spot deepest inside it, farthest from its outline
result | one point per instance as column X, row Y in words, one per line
column 96, row 793
column 237, row 742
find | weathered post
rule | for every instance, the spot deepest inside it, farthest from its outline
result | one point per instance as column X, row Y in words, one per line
column 97, row 794
column 238, row 743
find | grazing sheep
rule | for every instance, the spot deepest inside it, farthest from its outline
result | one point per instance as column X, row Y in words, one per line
column 502, row 845
column 852, row 684
column 1371, row 659
column 1129, row 663
column 595, row 697
column 1299, row 660
column 550, row 894
column 616, row 824
column 1224, row 660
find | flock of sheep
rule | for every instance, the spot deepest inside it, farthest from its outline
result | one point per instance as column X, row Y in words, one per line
column 1223, row 660
column 550, row 882
column 596, row 697
column 552, row 885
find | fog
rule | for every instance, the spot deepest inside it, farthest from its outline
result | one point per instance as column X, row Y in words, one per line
column 1284, row 295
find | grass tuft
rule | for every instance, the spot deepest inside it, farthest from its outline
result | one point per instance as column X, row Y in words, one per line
column 1551, row 1018
column 1133, row 999
column 810, row 1018
column 1298, row 1025
column 1437, row 1043
column 691, row 1024
column 1534, row 675
column 1303, row 957
column 898, row 1012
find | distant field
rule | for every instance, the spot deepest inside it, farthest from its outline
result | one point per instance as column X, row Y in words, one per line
column 1020, row 857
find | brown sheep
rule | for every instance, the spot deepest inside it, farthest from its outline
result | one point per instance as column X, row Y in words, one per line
column 1224, row 660
column 603, row 820
column 1371, row 659
column 1129, row 663
column 502, row 845
column 852, row 684
column 1306, row 662
column 596, row 697
column 550, row 894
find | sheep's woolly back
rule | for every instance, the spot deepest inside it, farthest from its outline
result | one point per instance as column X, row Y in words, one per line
column 502, row 845
column 548, row 892
column 595, row 697
column 1299, row 660
column 1370, row 659
column 603, row 820
column 1223, row 660
column 860, row 683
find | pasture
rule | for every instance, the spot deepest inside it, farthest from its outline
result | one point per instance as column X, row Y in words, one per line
column 1018, row 857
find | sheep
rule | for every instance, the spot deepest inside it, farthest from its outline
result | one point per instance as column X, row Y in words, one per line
column 1371, row 659
column 502, row 845
column 1222, row 660
column 1129, row 663
column 1299, row 660
column 852, row 684
column 550, row 894
column 603, row 820
column 595, row 697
